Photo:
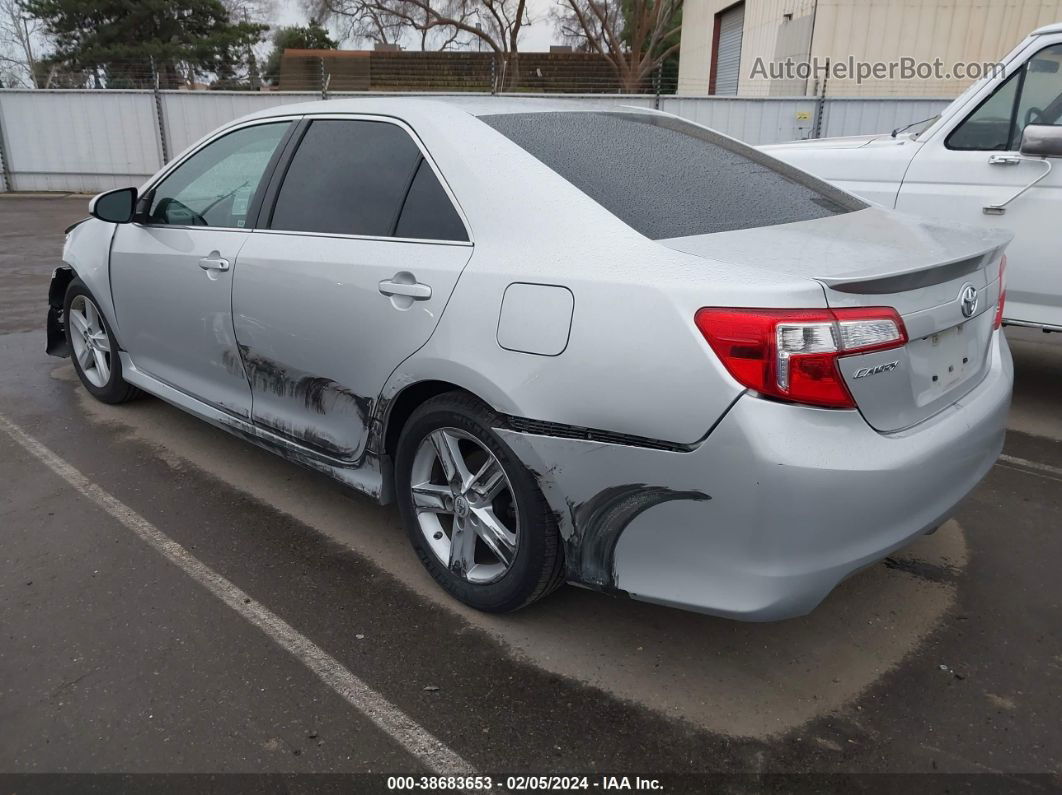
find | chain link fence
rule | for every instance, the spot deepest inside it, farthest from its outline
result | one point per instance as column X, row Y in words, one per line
column 334, row 71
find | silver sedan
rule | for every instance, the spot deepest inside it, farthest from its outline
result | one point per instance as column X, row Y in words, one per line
column 602, row 346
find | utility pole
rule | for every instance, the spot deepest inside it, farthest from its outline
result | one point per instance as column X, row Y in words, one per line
column 252, row 62
column 27, row 46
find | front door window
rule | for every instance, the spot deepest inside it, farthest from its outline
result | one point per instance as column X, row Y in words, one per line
column 216, row 186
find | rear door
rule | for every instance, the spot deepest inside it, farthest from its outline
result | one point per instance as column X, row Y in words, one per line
column 347, row 276
column 974, row 163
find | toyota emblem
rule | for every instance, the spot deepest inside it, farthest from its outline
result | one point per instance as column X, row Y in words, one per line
column 968, row 300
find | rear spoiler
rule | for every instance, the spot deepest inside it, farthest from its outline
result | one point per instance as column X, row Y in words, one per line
column 913, row 278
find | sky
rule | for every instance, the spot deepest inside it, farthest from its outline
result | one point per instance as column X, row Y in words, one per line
column 536, row 37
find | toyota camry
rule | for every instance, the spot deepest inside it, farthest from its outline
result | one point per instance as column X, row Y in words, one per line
column 603, row 346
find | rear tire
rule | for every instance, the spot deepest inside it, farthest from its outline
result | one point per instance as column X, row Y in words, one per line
column 93, row 347
column 478, row 523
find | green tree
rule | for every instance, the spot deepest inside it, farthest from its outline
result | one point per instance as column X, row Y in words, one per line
column 295, row 37
column 119, row 41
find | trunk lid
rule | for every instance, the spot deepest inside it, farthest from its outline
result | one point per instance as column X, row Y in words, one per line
column 876, row 257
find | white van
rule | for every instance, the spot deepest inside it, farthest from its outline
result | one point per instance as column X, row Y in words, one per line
column 987, row 159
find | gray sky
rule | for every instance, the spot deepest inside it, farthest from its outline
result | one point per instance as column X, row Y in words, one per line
column 536, row 38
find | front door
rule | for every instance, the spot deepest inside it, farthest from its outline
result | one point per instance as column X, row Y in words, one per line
column 171, row 272
column 975, row 164
column 349, row 277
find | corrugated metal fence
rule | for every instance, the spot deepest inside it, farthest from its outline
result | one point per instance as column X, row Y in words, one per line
column 89, row 141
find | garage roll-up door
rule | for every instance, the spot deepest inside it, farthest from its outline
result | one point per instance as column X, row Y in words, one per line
column 728, row 53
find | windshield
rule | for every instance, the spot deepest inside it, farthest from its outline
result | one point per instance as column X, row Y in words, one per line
column 668, row 178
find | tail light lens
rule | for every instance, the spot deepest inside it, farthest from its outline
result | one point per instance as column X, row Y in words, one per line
column 792, row 354
column 1002, row 292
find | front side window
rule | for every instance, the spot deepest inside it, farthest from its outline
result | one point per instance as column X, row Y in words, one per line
column 1032, row 95
column 356, row 177
column 668, row 178
column 216, row 186
column 1041, row 95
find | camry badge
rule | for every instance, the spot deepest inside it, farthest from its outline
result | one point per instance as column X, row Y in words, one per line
column 888, row 367
column 968, row 300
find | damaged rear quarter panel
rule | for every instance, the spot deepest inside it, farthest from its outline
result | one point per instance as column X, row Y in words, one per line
column 596, row 490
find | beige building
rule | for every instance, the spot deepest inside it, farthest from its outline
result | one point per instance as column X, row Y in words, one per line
column 905, row 48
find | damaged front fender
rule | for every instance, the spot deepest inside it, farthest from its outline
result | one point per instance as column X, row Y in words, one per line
column 57, row 344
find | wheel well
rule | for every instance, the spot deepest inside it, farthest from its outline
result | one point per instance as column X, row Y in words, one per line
column 61, row 279
column 405, row 403
column 56, row 323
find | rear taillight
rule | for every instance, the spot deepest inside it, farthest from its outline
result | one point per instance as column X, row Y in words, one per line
column 792, row 354
column 1002, row 292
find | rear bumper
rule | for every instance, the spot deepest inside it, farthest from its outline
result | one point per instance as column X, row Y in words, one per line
column 776, row 507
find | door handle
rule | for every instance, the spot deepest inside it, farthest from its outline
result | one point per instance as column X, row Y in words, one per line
column 1004, row 160
column 999, row 209
column 215, row 262
column 416, row 290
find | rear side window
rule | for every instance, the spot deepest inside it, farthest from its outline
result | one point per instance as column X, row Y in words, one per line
column 355, row 177
column 427, row 212
column 668, row 178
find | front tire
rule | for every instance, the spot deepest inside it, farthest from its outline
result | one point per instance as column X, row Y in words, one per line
column 474, row 514
column 93, row 347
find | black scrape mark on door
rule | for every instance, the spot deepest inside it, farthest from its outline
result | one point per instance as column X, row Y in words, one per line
column 285, row 451
column 601, row 520
column 320, row 395
column 307, row 436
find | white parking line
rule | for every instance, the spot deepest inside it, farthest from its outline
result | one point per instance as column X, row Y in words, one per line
column 1037, row 468
column 413, row 737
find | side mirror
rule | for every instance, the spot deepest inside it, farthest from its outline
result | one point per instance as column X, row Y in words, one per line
column 1041, row 140
column 114, row 206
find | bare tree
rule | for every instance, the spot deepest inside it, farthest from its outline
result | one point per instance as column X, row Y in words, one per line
column 496, row 24
column 359, row 22
column 21, row 37
column 259, row 11
column 251, row 10
column 635, row 36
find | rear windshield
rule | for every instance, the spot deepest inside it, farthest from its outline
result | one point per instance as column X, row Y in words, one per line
column 669, row 178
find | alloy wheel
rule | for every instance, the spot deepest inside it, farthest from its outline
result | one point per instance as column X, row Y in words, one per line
column 92, row 346
column 465, row 505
